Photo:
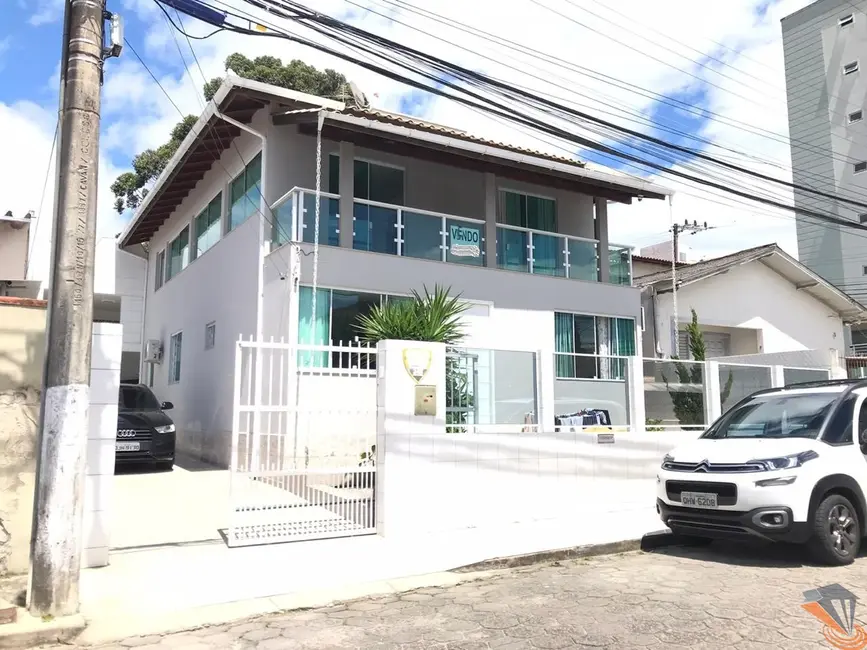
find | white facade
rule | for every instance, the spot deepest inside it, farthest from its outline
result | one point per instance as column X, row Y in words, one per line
column 14, row 244
column 755, row 309
column 218, row 288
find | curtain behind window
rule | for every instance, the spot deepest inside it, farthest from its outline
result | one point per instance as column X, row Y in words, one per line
column 564, row 342
column 306, row 322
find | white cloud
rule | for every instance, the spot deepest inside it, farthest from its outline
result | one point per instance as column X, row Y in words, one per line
column 27, row 129
column 45, row 12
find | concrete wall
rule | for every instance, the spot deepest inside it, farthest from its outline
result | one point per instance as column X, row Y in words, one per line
column 753, row 296
column 438, row 483
column 13, row 250
column 22, row 353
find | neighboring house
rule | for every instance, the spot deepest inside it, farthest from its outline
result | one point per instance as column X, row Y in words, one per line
column 825, row 64
column 644, row 264
column 406, row 203
column 759, row 300
column 14, row 246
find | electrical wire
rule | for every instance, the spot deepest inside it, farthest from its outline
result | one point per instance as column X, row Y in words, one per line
column 44, row 190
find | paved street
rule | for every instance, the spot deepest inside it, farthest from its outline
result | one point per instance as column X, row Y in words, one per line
column 721, row 596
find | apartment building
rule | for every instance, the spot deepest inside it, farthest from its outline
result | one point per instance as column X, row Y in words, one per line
column 230, row 227
column 825, row 47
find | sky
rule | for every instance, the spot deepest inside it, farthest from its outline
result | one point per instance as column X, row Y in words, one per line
column 710, row 80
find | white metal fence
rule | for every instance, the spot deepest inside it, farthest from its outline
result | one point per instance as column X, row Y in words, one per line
column 303, row 444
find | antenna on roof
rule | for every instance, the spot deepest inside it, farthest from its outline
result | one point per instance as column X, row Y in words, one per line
column 358, row 97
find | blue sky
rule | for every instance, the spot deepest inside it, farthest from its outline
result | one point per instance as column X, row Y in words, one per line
column 137, row 115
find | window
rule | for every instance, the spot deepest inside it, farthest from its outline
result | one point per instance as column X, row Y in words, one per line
column 862, row 217
column 856, row 116
column 137, row 398
column 372, row 181
column 860, row 166
column 850, row 68
column 845, row 21
column 244, row 193
column 375, row 227
column 772, row 416
column 210, row 335
column 526, row 211
column 585, row 344
column 864, row 270
column 179, row 254
column 175, row 357
column 208, row 225
column 160, row 270
column 839, row 431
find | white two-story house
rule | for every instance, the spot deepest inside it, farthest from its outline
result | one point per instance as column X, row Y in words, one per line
column 520, row 234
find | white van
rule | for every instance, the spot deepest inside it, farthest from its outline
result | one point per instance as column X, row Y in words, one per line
column 781, row 465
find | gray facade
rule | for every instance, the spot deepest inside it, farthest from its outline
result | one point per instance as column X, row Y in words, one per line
column 822, row 44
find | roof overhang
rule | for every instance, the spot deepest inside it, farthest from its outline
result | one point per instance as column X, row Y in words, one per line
column 457, row 152
column 237, row 98
column 803, row 279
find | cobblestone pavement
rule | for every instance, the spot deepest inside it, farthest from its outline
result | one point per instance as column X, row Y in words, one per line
column 716, row 597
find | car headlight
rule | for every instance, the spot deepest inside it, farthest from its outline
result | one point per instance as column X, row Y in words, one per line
column 666, row 460
column 168, row 428
column 786, row 462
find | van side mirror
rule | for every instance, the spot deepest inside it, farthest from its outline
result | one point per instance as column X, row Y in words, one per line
column 167, row 406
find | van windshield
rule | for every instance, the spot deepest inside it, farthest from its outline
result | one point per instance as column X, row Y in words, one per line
column 776, row 416
column 137, row 398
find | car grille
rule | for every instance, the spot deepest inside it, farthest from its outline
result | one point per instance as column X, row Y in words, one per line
column 727, row 493
column 712, row 468
column 133, row 434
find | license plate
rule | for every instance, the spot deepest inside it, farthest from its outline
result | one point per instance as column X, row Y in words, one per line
column 699, row 499
column 127, row 446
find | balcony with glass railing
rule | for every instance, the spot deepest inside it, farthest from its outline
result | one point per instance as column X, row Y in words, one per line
column 421, row 234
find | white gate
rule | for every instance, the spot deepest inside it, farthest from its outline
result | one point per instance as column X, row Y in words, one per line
column 303, row 443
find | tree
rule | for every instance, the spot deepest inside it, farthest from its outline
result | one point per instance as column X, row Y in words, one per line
column 130, row 188
column 434, row 317
column 689, row 405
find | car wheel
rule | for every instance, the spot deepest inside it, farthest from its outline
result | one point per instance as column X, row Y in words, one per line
column 167, row 466
column 836, row 531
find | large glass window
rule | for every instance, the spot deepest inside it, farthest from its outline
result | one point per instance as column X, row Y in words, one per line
column 375, row 227
column 526, row 211
column 245, row 193
column 588, row 347
column 175, row 357
column 179, row 254
column 160, row 270
column 208, row 225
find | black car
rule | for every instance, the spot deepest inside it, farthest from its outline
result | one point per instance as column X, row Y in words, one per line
column 145, row 434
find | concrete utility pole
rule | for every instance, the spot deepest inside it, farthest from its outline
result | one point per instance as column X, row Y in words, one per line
column 676, row 230
column 56, row 542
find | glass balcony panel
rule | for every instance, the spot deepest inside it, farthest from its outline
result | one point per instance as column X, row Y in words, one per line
column 619, row 265
column 549, row 255
column 583, row 260
column 465, row 242
column 422, row 236
column 375, row 229
column 512, row 250
column 329, row 219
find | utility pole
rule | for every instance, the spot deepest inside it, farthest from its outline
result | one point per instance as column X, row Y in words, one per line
column 56, row 539
column 677, row 230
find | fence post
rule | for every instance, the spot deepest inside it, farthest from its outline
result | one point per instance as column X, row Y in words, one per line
column 547, row 403
column 712, row 405
column 778, row 376
column 637, row 411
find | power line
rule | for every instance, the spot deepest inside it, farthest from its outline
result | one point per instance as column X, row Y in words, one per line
column 44, row 190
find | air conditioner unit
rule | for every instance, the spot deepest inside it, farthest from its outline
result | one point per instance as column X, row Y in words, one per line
column 153, row 351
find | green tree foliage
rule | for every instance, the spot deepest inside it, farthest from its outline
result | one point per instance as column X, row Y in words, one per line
column 689, row 405
column 130, row 188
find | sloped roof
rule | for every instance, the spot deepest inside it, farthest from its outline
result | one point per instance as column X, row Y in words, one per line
column 774, row 258
column 240, row 99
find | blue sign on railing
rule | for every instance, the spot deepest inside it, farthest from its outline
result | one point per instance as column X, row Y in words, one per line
column 465, row 242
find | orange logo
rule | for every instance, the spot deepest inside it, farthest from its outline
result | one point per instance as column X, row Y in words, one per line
column 834, row 606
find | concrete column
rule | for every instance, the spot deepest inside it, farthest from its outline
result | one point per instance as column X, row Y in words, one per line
column 637, row 412
column 347, row 192
column 490, row 220
column 545, row 380
column 712, row 405
column 411, row 418
column 600, row 225
column 778, row 377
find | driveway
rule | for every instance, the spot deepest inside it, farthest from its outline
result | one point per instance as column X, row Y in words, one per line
column 714, row 597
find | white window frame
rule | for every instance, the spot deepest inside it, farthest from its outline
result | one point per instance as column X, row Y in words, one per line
column 212, row 327
column 846, row 21
column 227, row 211
column 176, row 356
column 851, row 68
column 855, row 116
column 189, row 226
column 160, row 270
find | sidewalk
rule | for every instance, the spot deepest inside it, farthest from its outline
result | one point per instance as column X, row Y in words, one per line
column 169, row 588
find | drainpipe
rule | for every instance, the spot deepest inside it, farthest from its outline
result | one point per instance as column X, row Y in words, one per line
column 263, row 207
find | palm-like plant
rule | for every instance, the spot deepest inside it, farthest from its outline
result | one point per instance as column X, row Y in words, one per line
column 434, row 317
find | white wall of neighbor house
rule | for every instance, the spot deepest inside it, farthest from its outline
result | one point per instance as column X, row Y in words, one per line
column 760, row 301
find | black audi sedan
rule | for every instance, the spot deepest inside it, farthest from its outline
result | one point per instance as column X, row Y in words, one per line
column 145, row 434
